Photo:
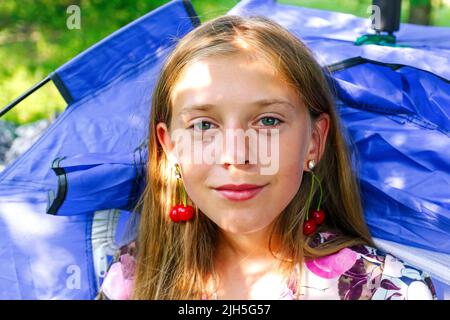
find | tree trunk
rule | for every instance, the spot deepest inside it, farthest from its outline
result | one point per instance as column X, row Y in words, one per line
column 420, row 12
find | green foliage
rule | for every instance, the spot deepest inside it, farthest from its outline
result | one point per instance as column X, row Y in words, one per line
column 34, row 39
column 420, row 2
column 357, row 7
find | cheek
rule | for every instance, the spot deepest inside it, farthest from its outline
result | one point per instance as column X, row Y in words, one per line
column 194, row 177
column 291, row 160
column 288, row 178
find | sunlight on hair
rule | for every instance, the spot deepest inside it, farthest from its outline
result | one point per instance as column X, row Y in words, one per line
column 242, row 43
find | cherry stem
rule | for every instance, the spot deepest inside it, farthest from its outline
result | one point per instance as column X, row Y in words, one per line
column 309, row 197
column 314, row 177
column 321, row 192
column 182, row 191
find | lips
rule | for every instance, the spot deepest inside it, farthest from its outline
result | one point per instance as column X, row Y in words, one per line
column 239, row 192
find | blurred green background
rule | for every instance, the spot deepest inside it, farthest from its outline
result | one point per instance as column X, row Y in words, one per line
column 34, row 39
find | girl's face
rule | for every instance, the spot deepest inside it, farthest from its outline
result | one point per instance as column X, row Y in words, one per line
column 218, row 96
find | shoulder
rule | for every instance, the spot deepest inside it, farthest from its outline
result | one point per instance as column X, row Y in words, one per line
column 366, row 272
column 119, row 280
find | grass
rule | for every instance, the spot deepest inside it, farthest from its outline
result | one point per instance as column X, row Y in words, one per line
column 27, row 56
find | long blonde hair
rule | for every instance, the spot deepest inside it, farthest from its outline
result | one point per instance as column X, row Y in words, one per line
column 175, row 259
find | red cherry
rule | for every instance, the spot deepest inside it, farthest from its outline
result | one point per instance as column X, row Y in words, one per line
column 309, row 227
column 186, row 213
column 174, row 213
column 318, row 216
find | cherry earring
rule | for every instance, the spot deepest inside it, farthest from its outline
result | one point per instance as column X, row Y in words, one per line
column 317, row 216
column 181, row 212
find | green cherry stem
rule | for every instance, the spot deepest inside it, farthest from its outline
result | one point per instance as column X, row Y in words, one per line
column 183, row 192
column 321, row 192
column 309, row 198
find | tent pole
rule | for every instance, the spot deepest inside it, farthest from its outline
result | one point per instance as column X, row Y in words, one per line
column 24, row 95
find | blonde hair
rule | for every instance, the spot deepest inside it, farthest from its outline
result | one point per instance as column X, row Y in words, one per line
column 175, row 259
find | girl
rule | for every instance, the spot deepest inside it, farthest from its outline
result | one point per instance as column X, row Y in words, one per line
column 293, row 232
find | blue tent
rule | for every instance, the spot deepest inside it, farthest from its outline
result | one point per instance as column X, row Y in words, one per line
column 65, row 203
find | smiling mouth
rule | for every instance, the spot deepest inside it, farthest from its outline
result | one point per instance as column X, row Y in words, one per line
column 239, row 192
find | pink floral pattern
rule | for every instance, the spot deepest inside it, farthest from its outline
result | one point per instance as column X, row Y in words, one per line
column 333, row 265
column 118, row 283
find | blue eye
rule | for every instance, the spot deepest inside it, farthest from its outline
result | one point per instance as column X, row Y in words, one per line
column 270, row 121
column 201, row 125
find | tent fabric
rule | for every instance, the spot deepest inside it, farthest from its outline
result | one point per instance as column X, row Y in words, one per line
column 116, row 58
column 74, row 188
column 93, row 181
column 400, row 130
column 331, row 36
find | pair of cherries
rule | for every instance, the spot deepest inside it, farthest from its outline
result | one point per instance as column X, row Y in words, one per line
column 317, row 216
column 316, row 219
column 181, row 213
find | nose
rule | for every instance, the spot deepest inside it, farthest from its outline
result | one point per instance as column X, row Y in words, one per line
column 236, row 148
column 228, row 164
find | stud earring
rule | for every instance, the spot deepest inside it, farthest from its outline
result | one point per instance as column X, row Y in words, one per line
column 311, row 164
column 316, row 216
column 181, row 212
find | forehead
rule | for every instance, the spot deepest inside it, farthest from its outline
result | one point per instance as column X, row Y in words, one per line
column 233, row 80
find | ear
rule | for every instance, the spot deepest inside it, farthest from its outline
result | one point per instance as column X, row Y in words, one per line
column 163, row 136
column 320, row 128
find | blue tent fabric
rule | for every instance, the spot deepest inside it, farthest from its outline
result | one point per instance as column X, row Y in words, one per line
column 331, row 36
column 82, row 186
column 393, row 103
column 115, row 58
column 407, row 168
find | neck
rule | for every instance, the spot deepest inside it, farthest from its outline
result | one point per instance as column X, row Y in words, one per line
column 253, row 245
column 242, row 258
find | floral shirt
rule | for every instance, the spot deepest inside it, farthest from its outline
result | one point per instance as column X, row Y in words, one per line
column 356, row 273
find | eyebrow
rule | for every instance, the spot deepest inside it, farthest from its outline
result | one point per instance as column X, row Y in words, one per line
column 260, row 103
